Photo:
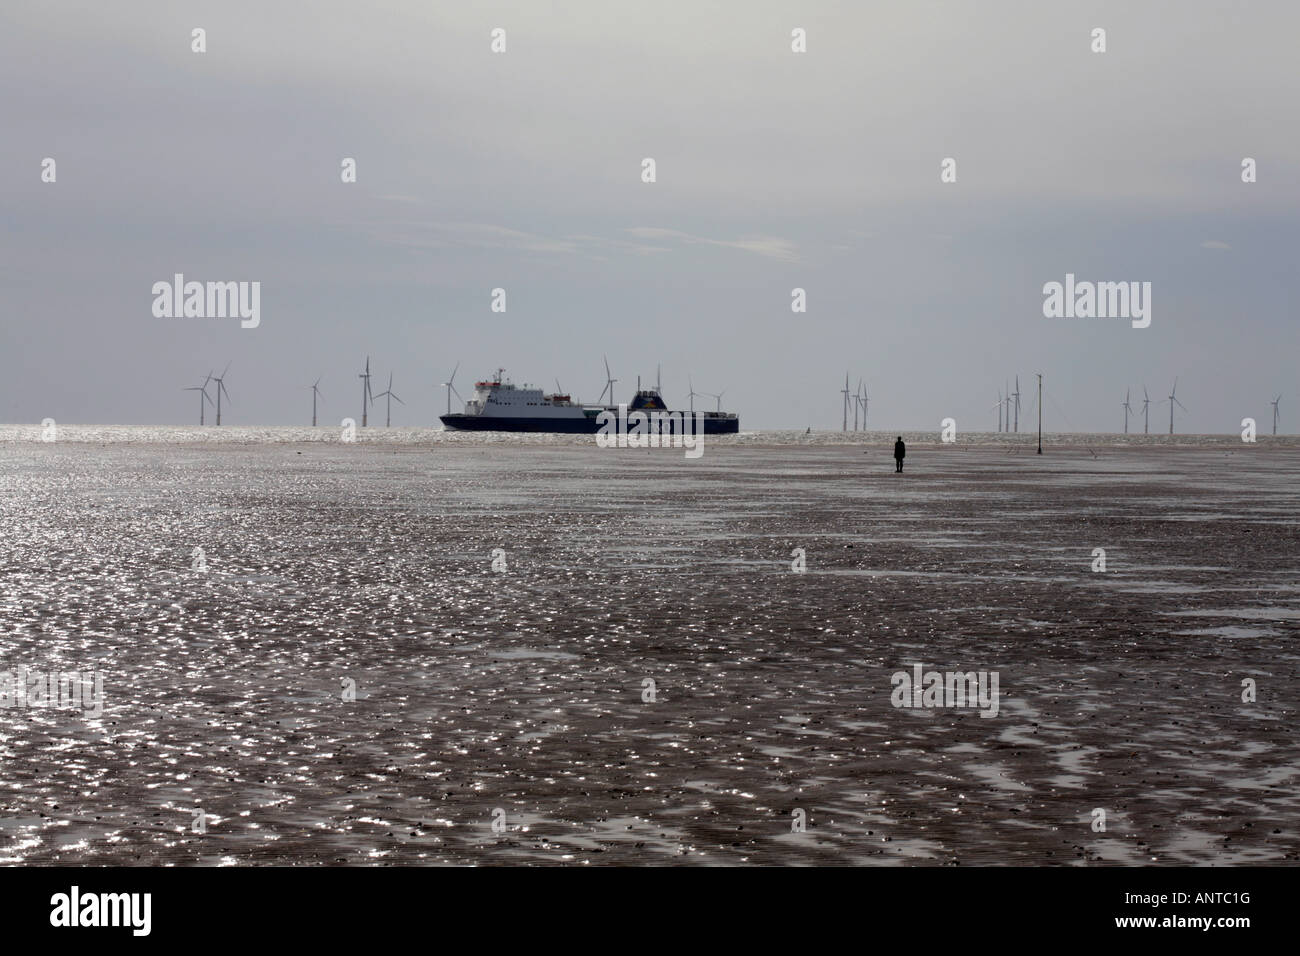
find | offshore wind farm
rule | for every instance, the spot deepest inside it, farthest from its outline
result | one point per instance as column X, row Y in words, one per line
column 854, row 411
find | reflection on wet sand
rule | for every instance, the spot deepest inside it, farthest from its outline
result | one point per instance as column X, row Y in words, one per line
column 349, row 681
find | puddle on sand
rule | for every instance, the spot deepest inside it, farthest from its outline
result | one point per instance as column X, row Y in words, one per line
column 529, row 653
column 1245, row 613
column 1229, row 630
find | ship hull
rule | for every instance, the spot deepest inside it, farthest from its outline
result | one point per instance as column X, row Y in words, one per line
column 587, row 425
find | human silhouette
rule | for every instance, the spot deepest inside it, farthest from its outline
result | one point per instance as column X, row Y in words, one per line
column 900, row 452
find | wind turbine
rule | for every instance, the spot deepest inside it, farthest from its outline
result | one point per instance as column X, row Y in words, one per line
column 1274, row 404
column 450, row 386
column 999, row 406
column 1127, row 408
column 365, row 391
column 861, row 399
column 719, row 398
column 1017, row 395
column 857, row 403
column 1146, row 404
column 204, row 397
column 845, row 391
column 691, row 393
column 1173, row 400
column 388, row 417
column 314, row 392
column 1008, row 401
column 609, row 384
column 221, row 387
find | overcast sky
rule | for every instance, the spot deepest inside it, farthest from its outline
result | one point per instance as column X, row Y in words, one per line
column 775, row 170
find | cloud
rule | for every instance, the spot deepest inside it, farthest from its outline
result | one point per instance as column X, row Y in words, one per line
column 472, row 235
column 769, row 246
column 479, row 235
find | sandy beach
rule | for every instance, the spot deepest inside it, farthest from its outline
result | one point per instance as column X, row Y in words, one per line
column 518, row 695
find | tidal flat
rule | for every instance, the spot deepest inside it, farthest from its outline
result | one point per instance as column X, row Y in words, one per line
column 549, row 653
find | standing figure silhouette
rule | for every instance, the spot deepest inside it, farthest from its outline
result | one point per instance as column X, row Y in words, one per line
column 900, row 452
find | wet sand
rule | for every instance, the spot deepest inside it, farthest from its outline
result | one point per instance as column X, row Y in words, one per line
column 522, row 689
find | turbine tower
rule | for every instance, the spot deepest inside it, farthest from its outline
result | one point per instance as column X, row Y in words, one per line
column 1274, row 404
column 450, row 386
column 1127, row 408
column 1017, row 397
column 390, row 394
column 609, row 384
column 1173, row 400
column 365, row 391
column 204, row 398
column 691, row 393
column 1146, row 404
column 314, row 392
column 845, row 392
column 221, row 388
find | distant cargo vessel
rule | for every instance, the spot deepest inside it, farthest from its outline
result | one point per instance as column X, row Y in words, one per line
column 501, row 406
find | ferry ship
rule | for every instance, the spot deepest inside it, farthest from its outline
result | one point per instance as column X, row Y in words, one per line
column 499, row 405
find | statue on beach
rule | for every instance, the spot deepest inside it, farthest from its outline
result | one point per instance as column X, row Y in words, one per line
column 900, row 452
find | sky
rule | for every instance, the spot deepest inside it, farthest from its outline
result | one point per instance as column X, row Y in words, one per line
column 775, row 170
